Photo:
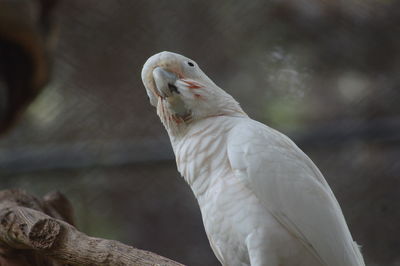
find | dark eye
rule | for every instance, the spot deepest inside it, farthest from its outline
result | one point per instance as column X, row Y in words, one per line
column 190, row 64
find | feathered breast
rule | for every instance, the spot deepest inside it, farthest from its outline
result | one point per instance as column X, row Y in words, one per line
column 201, row 155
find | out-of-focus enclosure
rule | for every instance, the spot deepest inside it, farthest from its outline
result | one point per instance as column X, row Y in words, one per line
column 324, row 72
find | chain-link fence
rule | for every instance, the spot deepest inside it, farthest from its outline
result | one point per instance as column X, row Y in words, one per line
column 324, row 72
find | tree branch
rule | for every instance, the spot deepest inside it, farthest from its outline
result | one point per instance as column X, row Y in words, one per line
column 24, row 228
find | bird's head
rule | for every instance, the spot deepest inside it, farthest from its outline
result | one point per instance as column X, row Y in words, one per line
column 182, row 93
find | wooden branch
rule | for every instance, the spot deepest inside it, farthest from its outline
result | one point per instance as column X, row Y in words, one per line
column 26, row 228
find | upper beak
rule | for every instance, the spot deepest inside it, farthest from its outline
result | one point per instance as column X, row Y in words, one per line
column 165, row 82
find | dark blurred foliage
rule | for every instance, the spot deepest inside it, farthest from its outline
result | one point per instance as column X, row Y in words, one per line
column 324, row 72
column 25, row 41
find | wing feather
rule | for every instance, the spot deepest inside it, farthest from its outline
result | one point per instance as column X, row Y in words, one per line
column 292, row 188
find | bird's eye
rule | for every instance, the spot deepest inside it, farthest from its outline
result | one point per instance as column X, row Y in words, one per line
column 190, row 64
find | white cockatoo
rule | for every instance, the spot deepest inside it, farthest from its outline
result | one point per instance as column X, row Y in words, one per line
column 263, row 201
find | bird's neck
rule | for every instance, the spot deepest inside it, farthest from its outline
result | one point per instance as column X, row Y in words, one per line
column 177, row 125
column 201, row 153
column 179, row 129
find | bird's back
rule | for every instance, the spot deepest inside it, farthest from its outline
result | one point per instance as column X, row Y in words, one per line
column 293, row 190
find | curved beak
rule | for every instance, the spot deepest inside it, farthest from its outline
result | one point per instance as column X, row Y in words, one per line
column 165, row 82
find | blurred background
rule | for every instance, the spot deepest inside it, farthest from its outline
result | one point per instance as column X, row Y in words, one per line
column 326, row 73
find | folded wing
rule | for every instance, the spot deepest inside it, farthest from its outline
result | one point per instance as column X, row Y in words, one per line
column 292, row 188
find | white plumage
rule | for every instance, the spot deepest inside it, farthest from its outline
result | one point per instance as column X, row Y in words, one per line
column 263, row 201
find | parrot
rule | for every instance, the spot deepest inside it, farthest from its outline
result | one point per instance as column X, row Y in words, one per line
column 262, row 200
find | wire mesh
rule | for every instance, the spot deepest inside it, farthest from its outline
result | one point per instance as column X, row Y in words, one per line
column 324, row 72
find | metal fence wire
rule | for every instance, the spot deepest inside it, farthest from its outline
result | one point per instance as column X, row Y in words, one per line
column 326, row 73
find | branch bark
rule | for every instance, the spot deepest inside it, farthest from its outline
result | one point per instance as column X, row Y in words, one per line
column 25, row 226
